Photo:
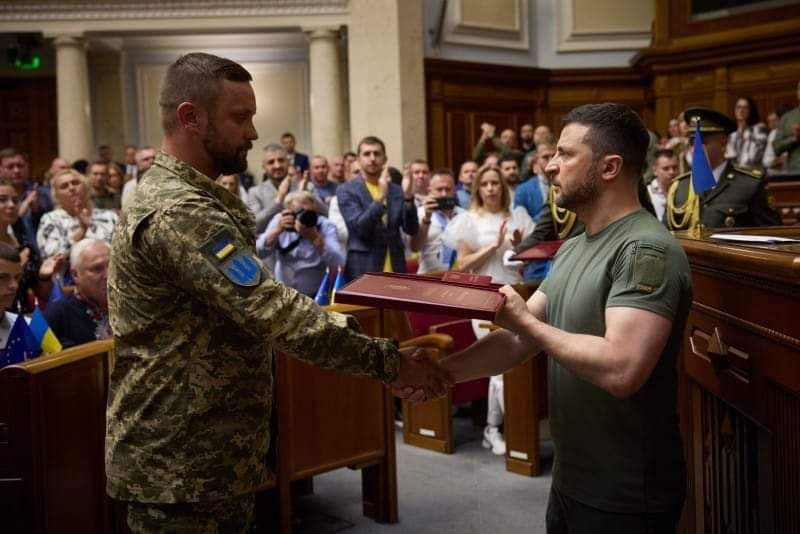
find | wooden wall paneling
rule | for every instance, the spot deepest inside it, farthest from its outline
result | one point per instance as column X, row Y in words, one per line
column 713, row 62
column 461, row 95
column 28, row 119
column 682, row 25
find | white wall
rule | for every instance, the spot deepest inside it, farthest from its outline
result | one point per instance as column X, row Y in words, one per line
column 545, row 20
column 278, row 63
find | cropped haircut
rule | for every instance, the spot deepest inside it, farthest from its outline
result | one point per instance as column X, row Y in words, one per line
column 196, row 78
column 11, row 152
column 663, row 153
column 274, row 147
column 443, row 171
column 613, row 129
column 77, row 250
column 549, row 140
column 508, row 157
column 370, row 140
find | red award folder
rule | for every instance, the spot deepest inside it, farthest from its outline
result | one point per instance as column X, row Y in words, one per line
column 543, row 250
column 456, row 294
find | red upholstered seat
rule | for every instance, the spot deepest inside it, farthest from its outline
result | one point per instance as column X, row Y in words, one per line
column 463, row 336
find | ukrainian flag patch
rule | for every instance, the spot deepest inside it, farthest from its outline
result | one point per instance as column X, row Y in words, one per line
column 238, row 265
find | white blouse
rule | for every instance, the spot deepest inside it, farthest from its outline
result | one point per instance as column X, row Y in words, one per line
column 479, row 229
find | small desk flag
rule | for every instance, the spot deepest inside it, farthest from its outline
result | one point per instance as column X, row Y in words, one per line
column 21, row 344
column 322, row 297
column 44, row 335
column 338, row 284
column 702, row 176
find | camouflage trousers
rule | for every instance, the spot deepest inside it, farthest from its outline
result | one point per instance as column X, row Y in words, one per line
column 227, row 516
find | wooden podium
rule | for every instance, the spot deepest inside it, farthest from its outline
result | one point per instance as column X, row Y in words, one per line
column 52, row 435
column 739, row 386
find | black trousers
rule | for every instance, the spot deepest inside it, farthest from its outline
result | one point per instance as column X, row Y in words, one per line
column 568, row 516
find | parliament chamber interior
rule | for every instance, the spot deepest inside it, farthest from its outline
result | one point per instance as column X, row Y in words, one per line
column 450, row 91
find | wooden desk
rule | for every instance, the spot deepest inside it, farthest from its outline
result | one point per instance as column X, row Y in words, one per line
column 52, row 434
column 328, row 420
column 786, row 193
column 525, row 396
column 739, row 387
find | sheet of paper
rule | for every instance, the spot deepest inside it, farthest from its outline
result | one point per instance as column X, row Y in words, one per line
column 748, row 238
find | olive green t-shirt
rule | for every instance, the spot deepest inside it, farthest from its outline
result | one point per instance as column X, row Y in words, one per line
column 620, row 455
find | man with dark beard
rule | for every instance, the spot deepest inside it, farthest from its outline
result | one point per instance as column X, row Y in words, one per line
column 610, row 316
column 195, row 319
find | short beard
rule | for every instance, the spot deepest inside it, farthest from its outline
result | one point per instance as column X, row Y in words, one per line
column 584, row 194
column 229, row 161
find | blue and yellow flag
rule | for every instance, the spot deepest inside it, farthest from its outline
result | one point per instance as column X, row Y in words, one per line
column 44, row 335
column 21, row 344
column 338, row 284
column 322, row 297
column 702, row 176
column 57, row 293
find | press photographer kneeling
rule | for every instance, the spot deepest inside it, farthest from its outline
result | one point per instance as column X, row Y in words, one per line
column 302, row 243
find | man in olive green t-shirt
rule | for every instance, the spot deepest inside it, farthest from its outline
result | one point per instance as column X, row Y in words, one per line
column 610, row 316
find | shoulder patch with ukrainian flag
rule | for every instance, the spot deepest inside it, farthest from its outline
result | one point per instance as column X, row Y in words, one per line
column 237, row 264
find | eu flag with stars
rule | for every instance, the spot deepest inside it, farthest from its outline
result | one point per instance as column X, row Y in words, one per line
column 322, row 297
column 702, row 177
column 22, row 344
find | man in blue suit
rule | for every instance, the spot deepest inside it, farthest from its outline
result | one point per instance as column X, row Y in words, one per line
column 375, row 209
column 297, row 159
column 532, row 195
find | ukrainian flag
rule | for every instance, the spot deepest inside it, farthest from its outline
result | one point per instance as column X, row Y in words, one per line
column 44, row 334
column 338, row 284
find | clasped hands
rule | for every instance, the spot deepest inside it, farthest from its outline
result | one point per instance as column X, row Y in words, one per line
column 420, row 378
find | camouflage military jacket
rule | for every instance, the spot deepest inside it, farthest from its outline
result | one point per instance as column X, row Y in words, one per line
column 195, row 318
column 739, row 199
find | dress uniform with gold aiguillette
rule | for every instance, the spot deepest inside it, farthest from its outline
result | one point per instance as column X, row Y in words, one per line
column 739, row 198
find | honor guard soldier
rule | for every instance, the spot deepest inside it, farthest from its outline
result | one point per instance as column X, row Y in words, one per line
column 739, row 197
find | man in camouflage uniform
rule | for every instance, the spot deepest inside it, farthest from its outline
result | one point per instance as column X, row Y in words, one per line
column 196, row 317
column 738, row 199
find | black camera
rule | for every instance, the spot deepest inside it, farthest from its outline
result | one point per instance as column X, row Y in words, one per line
column 446, row 203
column 307, row 218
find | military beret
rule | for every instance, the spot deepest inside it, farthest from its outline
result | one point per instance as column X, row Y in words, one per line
column 711, row 121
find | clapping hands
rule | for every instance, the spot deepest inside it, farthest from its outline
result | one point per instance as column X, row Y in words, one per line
column 420, row 378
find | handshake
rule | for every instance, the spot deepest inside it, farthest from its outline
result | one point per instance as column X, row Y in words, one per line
column 420, row 378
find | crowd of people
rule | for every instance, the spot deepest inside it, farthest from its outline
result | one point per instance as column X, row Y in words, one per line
column 610, row 316
column 354, row 212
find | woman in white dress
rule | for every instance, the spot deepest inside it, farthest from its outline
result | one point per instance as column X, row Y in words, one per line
column 483, row 238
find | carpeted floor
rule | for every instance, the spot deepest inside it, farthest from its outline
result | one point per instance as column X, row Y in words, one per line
column 466, row 492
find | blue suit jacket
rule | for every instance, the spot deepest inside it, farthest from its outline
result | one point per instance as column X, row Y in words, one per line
column 301, row 161
column 369, row 237
column 529, row 196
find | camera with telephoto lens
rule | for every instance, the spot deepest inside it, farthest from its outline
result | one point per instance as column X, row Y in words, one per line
column 446, row 203
column 307, row 218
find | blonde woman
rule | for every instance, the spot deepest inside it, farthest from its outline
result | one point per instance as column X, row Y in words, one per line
column 74, row 218
column 483, row 238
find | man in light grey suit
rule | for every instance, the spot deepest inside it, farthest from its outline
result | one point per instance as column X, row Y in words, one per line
column 266, row 199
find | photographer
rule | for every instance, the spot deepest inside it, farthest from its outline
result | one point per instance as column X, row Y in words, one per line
column 436, row 211
column 302, row 244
